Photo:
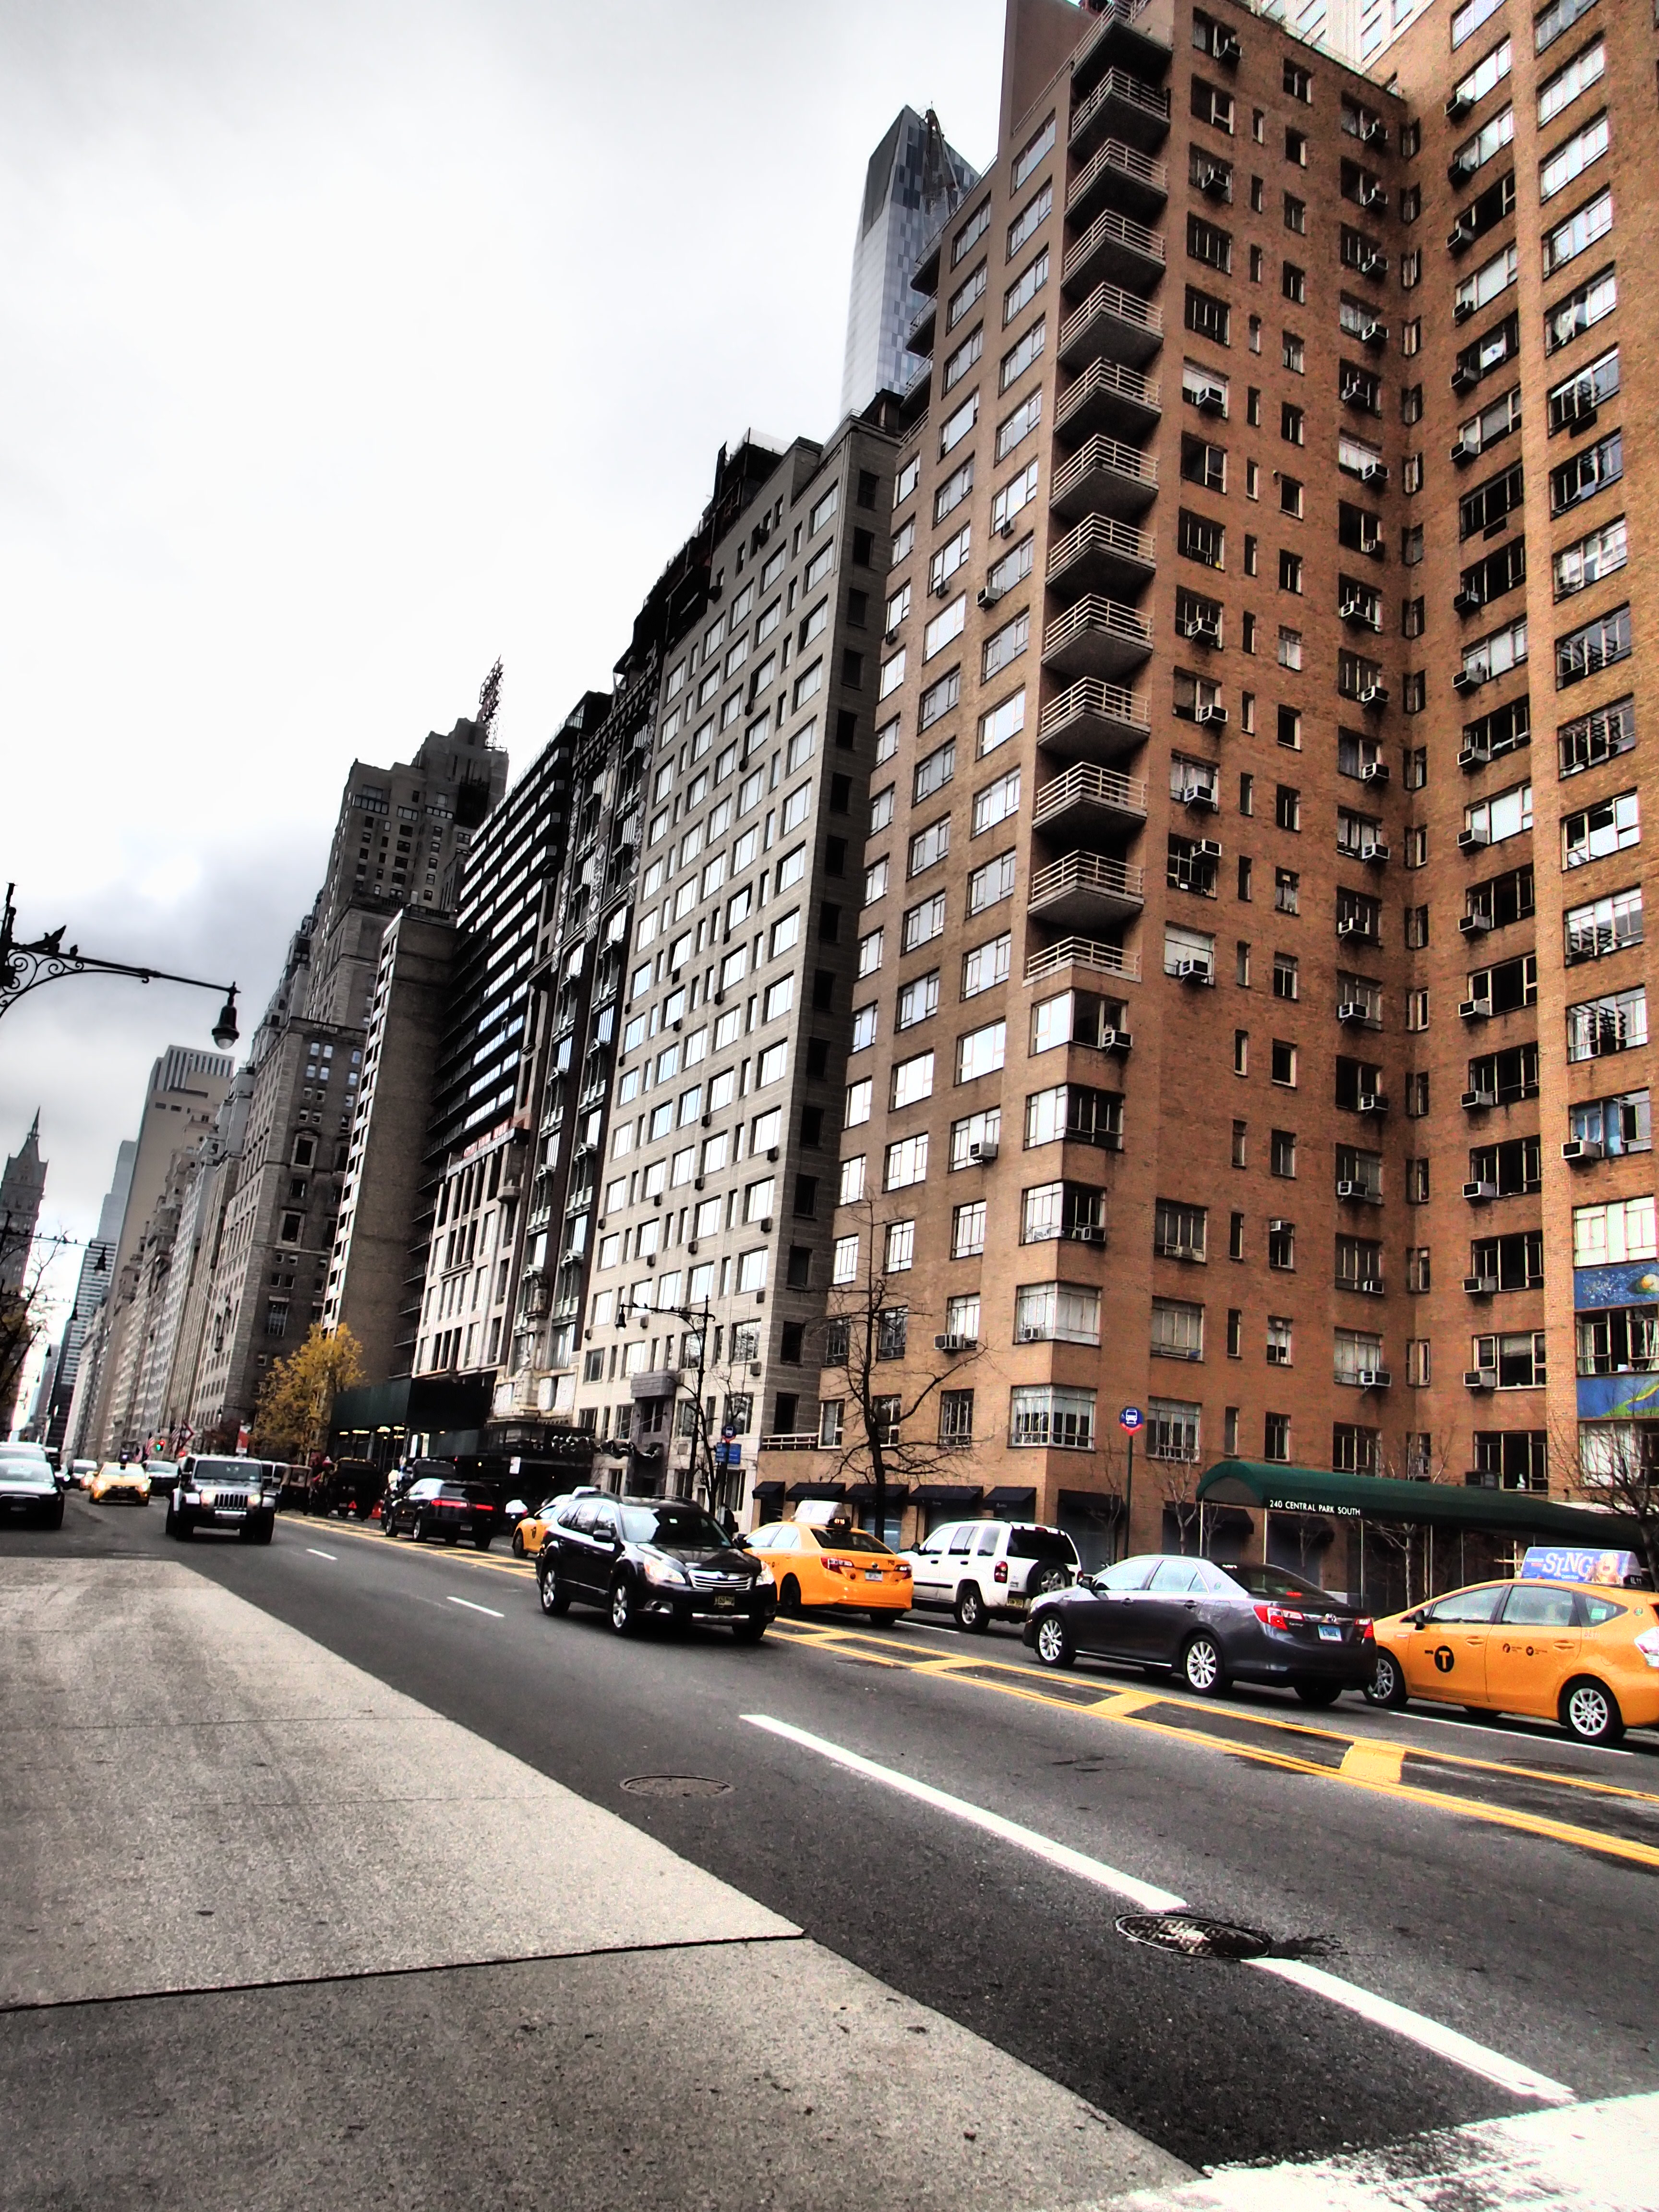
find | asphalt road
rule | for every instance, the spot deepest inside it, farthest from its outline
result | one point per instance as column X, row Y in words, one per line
column 1496, row 1880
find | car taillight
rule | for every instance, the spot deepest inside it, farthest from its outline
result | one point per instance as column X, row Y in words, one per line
column 838, row 1566
column 1272, row 1616
column 903, row 1570
column 999, row 1572
column 1365, row 1630
column 1648, row 1644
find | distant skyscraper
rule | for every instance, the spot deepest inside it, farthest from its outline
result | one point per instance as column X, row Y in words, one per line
column 914, row 180
column 23, row 1186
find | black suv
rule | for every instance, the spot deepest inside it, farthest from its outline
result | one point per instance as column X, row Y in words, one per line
column 351, row 1485
column 450, row 1509
column 652, row 1558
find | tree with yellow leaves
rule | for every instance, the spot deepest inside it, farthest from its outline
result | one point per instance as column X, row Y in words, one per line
column 297, row 1402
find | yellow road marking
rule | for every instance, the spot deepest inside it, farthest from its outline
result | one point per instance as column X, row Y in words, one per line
column 1362, row 1774
column 1369, row 1761
column 1125, row 1701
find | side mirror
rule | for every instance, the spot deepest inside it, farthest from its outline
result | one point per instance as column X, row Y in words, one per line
column 516, row 1508
column 739, row 1543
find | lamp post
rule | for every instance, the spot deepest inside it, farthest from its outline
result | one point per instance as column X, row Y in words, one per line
column 25, row 965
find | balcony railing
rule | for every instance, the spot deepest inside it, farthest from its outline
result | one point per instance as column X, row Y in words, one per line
column 1105, row 477
column 1120, row 170
column 1086, row 787
column 1102, row 551
column 1140, row 111
column 1115, row 246
column 1119, row 22
column 791, row 1440
column 1088, row 887
column 1099, row 637
column 1082, row 952
column 1110, row 394
column 1111, row 321
column 1094, row 720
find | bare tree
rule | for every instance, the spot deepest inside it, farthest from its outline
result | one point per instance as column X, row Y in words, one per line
column 1413, row 1458
column 26, row 1306
column 869, row 1331
column 1617, row 1476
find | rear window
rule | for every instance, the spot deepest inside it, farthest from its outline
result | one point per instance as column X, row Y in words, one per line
column 848, row 1540
column 1598, row 1611
column 1272, row 1581
column 1040, row 1544
column 1469, row 1605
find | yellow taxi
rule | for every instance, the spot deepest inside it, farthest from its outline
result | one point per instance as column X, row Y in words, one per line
column 113, row 1485
column 1584, row 1654
column 531, row 1533
column 833, row 1564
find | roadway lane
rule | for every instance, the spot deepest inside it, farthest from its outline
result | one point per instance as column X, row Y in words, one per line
column 1540, row 1951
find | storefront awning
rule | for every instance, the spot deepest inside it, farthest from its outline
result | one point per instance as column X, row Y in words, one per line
column 798, row 1490
column 1008, row 1494
column 769, row 1490
column 864, row 1494
column 1516, row 1513
column 947, row 1493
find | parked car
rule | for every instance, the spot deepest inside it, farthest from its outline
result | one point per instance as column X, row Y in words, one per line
column 351, row 1485
column 449, row 1510
column 530, row 1530
column 163, row 1475
column 223, row 1492
column 81, row 1472
column 29, row 1489
column 653, row 1557
column 1584, row 1657
column 117, row 1485
column 986, row 1571
column 1211, row 1625
column 833, row 1564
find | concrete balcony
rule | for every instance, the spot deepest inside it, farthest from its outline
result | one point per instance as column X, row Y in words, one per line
column 1087, row 953
column 1099, row 637
column 920, row 338
column 1115, row 250
column 1108, row 397
column 1087, row 891
column 1089, row 802
column 1096, row 721
column 1121, row 105
column 1118, row 176
column 1103, row 553
column 1104, row 477
column 1112, row 324
column 1121, row 33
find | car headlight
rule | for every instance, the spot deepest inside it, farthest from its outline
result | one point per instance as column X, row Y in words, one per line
column 666, row 1571
column 207, row 1497
column 765, row 1579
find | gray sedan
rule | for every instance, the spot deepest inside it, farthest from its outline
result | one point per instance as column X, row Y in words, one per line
column 1211, row 1625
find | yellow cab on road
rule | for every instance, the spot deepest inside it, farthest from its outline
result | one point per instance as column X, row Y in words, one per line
column 113, row 1485
column 530, row 1530
column 817, row 1560
column 1569, row 1640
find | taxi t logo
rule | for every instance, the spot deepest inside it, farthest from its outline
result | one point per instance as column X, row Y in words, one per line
column 1443, row 1658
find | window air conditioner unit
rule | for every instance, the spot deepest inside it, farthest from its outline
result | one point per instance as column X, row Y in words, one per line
column 1215, row 715
column 1580, row 1149
column 1373, row 264
column 1198, row 794
column 1349, row 1190
column 1351, row 1010
column 1480, row 1286
column 1464, row 451
column 1373, row 335
column 1470, row 679
column 942, row 589
column 1226, row 48
column 1348, row 926
column 1466, row 601
column 1462, row 310
column 1372, row 546
column 773, row 1152
column 1201, row 632
column 1458, row 104
column 1376, row 852
column 1213, row 181
column 1459, row 236
column 1353, row 389
column 1375, row 473
column 1478, row 1193
column 1354, row 610
column 1206, row 848
column 1373, row 1101
column 1471, row 841
column 1480, row 1378
column 1374, row 772
column 1374, row 131
column 1117, row 1041
column 989, row 595
column 692, row 1248
column 1373, row 195
column 1193, row 971
column 1474, row 924
column 1474, row 1010
column 1373, row 1379
column 1463, row 377
column 1088, row 1233
column 955, row 1343
column 984, row 1152
column 1473, row 756
column 890, row 636
column 1374, row 695
column 1209, row 399
column 1475, row 1101
column 1278, row 1226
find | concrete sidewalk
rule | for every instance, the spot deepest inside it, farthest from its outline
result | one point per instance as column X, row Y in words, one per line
column 276, row 1935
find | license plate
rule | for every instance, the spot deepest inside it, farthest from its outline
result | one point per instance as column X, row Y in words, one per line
column 1329, row 1633
column 873, row 1574
column 724, row 1602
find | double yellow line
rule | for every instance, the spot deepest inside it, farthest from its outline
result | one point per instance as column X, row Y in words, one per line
column 1368, row 1763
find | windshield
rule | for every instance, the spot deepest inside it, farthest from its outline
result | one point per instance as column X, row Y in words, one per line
column 1040, row 1544
column 673, row 1528
column 1274, row 1582
column 848, row 1540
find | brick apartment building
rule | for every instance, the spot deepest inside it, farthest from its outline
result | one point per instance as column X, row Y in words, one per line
column 1227, row 992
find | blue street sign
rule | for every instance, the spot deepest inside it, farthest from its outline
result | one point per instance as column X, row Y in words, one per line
column 1131, row 1419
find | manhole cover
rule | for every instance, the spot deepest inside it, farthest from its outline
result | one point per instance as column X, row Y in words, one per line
column 674, row 1785
column 1193, row 1937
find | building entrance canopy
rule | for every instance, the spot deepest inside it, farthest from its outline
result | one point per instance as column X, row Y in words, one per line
column 1506, row 1513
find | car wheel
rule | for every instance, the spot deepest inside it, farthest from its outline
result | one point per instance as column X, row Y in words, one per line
column 53, row 1515
column 789, row 1596
column 1047, row 1576
column 750, row 1631
column 1201, row 1668
column 185, row 1529
column 554, row 1600
column 624, row 1606
column 1318, row 1693
column 388, row 1525
column 971, row 1614
column 1053, row 1642
column 881, row 1617
column 418, row 1531
column 1387, row 1684
column 518, row 1543
column 482, row 1540
column 1589, row 1712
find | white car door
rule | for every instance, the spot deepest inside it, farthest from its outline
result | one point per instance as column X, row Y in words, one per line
column 927, row 1584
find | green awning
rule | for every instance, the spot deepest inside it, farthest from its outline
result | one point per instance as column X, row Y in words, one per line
column 1518, row 1513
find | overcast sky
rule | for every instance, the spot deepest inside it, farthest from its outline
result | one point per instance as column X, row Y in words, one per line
column 348, row 345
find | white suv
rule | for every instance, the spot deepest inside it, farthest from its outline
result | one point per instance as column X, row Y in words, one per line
column 986, row 1571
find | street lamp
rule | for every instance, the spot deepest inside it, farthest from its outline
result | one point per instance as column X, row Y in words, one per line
column 25, row 966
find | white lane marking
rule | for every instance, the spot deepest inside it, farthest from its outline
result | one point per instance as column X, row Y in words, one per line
column 1491, row 2065
column 1026, row 1839
column 316, row 1555
column 1542, row 1736
column 471, row 1608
